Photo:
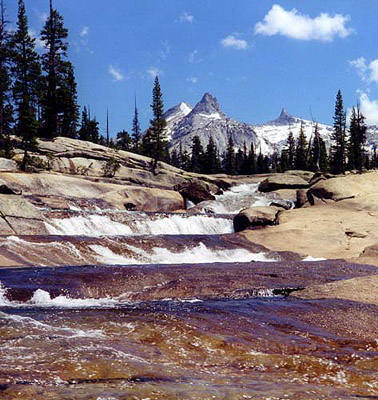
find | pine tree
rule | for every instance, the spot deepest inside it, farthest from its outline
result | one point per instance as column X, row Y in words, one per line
column 136, row 133
column 184, row 159
column 275, row 164
column 290, row 151
column 26, row 71
column 260, row 164
column 239, row 158
column 158, row 141
column 324, row 159
column 284, row 160
column 317, row 153
column 252, row 166
column 301, row 151
column 266, row 164
column 357, row 140
column 338, row 147
column 211, row 159
column 124, row 141
column 54, row 35
column 229, row 161
column 6, row 109
column 175, row 159
column 197, row 158
column 93, row 131
column 67, row 100
column 84, row 129
column 314, row 153
column 245, row 166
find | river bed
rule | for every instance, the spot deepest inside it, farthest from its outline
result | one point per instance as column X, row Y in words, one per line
column 122, row 305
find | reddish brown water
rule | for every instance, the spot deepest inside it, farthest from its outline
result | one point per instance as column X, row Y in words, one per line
column 99, row 346
column 210, row 325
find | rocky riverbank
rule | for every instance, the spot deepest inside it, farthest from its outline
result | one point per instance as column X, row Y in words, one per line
column 338, row 219
column 137, row 285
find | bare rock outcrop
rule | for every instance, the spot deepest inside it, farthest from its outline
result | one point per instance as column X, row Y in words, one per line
column 20, row 216
column 255, row 216
column 195, row 191
column 283, row 181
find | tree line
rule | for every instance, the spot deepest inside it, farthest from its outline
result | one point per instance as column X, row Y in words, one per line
column 347, row 151
column 38, row 98
column 38, row 95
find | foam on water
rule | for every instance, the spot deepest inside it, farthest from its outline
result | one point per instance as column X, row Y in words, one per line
column 309, row 258
column 198, row 254
column 237, row 198
column 181, row 225
column 87, row 225
column 102, row 225
column 41, row 298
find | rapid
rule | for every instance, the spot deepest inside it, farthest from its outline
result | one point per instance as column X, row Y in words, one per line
column 121, row 304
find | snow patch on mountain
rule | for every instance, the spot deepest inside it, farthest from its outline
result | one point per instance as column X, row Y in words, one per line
column 207, row 119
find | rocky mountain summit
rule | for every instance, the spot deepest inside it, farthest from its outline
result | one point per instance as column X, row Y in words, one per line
column 207, row 119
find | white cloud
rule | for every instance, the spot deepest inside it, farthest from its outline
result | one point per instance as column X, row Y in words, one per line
column 234, row 42
column 186, row 17
column 84, row 31
column 373, row 68
column 360, row 65
column 39, row 43
column 192, row 79
column 295, row 25
column 153, row 72
column 369, row 109
column 366, row 71
column 116, row 73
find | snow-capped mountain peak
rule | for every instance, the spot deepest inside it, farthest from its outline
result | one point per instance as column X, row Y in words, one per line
column 179, row 111
column 208, row 105
column 174, row 115
column 207, row 119
column 284, row 119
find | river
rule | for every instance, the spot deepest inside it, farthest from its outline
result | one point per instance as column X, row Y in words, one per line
column 127, row 305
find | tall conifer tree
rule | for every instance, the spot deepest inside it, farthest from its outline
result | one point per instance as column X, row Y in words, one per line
column 357, row 140
column 197, row 157
column 252, row 167
column 301, row 150
column 290, row 151
column 54, row 35
column 229, row 161
column 67, row 100
column 158, row 141
column 136, row 133
column 211, row 160
column 338, row 148
column 26, row 71
column 6, row 109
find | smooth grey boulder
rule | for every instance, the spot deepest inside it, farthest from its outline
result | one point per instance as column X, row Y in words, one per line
column 255, row 216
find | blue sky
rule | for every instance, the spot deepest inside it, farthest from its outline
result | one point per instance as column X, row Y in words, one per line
column 255, row 56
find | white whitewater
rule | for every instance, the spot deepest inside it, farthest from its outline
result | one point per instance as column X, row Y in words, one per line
column 234, row 200
column 102, row 225
column 197, row 255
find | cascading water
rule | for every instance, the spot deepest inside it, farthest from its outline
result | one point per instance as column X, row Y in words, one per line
column 234, row 200
column 151, row 305
column 140, row 224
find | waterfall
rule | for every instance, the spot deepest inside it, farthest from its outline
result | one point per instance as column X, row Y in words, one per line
column 103, row 225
